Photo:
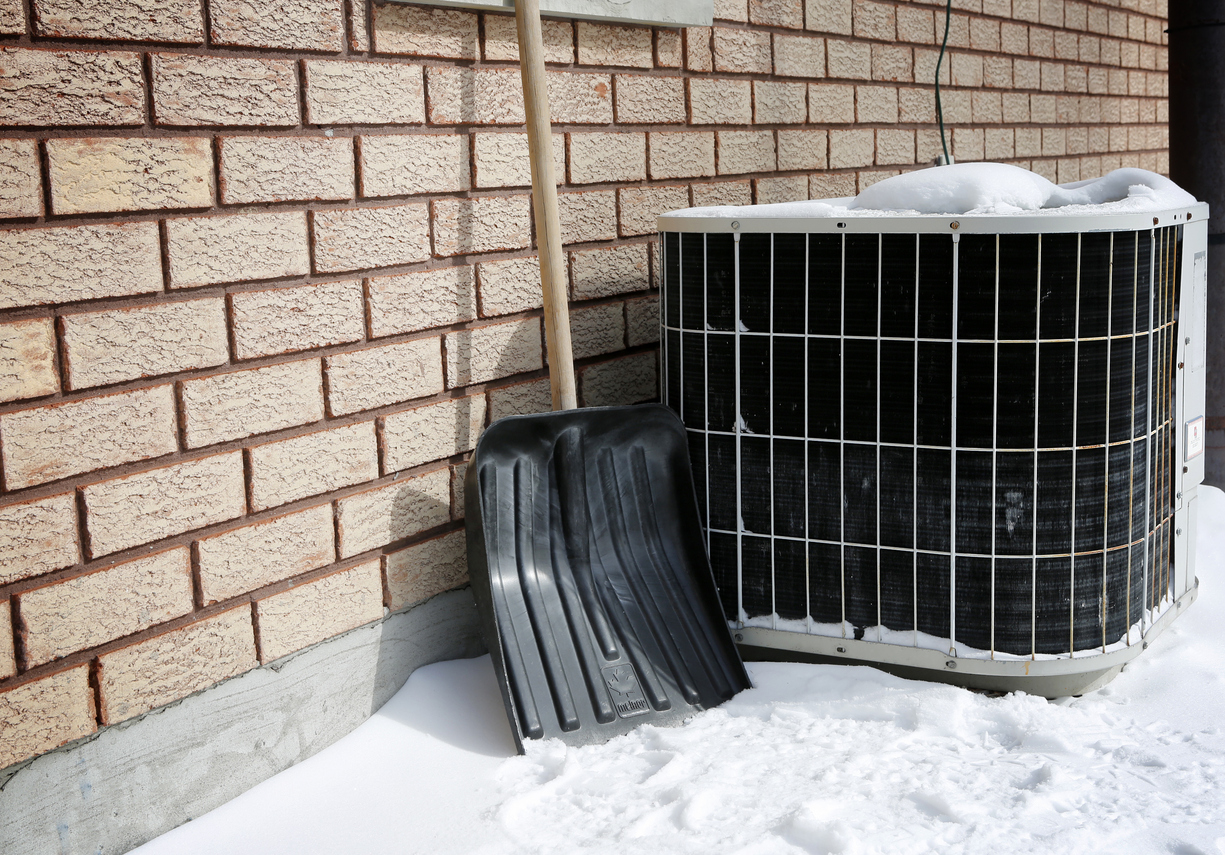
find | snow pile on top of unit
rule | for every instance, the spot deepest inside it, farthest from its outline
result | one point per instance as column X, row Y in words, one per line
column 981, row 188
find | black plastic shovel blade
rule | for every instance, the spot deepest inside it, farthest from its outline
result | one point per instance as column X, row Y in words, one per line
column 589, row 569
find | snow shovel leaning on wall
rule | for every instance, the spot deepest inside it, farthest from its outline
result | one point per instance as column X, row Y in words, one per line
column 584, row 542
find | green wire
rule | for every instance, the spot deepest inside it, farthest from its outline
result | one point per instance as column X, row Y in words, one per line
column 948, row 11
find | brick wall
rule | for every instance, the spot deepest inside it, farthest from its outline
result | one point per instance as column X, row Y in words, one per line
column 266, row 272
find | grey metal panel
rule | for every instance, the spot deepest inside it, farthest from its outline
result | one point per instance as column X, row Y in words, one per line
column 673, row 13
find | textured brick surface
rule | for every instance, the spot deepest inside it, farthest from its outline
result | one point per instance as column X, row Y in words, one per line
column 20, row 190
column 27, row 359
column 787, row 188
column 287, row 319
column 94, row 609
column 12, row 17
column 125, row 344
column 641, row 205
column 502, row 40
column 698, row 53
column 315, row 463
column 684, row 154
column 626, row 380
column 114, row 174
column 799, row 56
column 301, row 24
column 731, row 10
column 851, row 148
column 745, row 151
column 282, row 169
column 494, row 96
column 742, row 51
column 642, row 321
column 487, row 224
column 424, row 569
column 365, row 93
column 37, row 537
column 723, row 193
column 605, row 44
column 601, row 157
column 45, row 714
column 535, row 396
column 779, row 103
column 669, row 52
column 167, row 667
column 833, row 103
column 257, row 400
column 502, row 159
column 63, row 265
column 596, row 330
column 777, row 13
column 650, row 100
column 416, row 301
column 608, row 271
column 59, row 440
column 371, row 237
column 133, row 20
column 194, row 90
column 247, row 558
column 487, row 353
column 848, row 60
column 160, row 503
column 509, row 286
column 335, row 604
column 8, row 658
column 425, row 434
column 802, row 149
column 378, row 376
column 425, row 31
column 378, row 517
column 588, row 215
column 720, row 101
column 403, row 164
column 42, row 87
column 208, row 250
column 458, row 473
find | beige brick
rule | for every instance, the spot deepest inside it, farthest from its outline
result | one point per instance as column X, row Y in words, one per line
column 129, row 20
column 502, row 159
column 720, row 101
column 997, row 72
column 38, row 537
column 116, row 174
column 669, row 52
column 520, row 399
column 848, row 60
column 642, row 317
column 917, row 26
column 63, row 265
column 44, row 87
column 283, row 169
column 723, row 193
column 44, row 714
column 59, row 440
column 732, row 10
column 292, row 469
column 894, row 63
column 404, row 164
column 425, row 569
column 127, row 344
column 27, row 359
column 365, row 238
column 602, row 157
column 161, row 503
column 779, row 103
column 610, row 270
column 597, row 330
column 626, row 380
column 828, row 16
column 251, row 557
column 802, row 150
column 433, row 432
column 8, row 656
column 458, row 473
column 418, row 31
column 685, row 154
column 417, row 301
column 290, row 24
column 136, row 679
column 287, row 319
column 968, row 143
column 495, row 96
column 94, row 609
column 699, row 55
column 851, row 148
column 925, row 67
column 408, row 507
column 777, row 13
column 333, row 604
column 588, row 215
column 895, row 147
column 209, row 250
column 999, row 144
column 876, row 104
column 640, row 206
column 363, row 93
column 512, row 285
column 832, row 103
column 799, row 56
column 788, row 188
column 867, row 179
column 487, row 353
column 742, row 51
column 831, row 186
column 12, row 17
column 650, row 100
column 487, row 224
column 195, row 90
column 745, row 151
column 20, row 179
column 378, row 376
column 609, row 44
column 875, row 20
column 254, row 401
column 502, row 39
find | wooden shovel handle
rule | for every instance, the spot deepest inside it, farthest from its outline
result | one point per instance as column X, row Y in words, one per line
column 544, row 196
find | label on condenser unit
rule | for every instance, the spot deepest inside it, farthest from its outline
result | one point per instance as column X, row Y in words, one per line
column 1195, row 437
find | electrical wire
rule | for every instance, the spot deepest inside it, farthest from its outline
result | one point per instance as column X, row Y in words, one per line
column 948, row 13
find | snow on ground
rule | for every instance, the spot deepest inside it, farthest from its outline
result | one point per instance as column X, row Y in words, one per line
column 815, row 759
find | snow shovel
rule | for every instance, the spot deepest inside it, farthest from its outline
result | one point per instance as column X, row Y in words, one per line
column 585, row 549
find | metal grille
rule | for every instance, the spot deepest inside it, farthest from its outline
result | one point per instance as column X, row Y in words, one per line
column 932, row 440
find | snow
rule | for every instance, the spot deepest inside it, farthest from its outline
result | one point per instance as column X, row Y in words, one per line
column 980, row 188
column 814, row 759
